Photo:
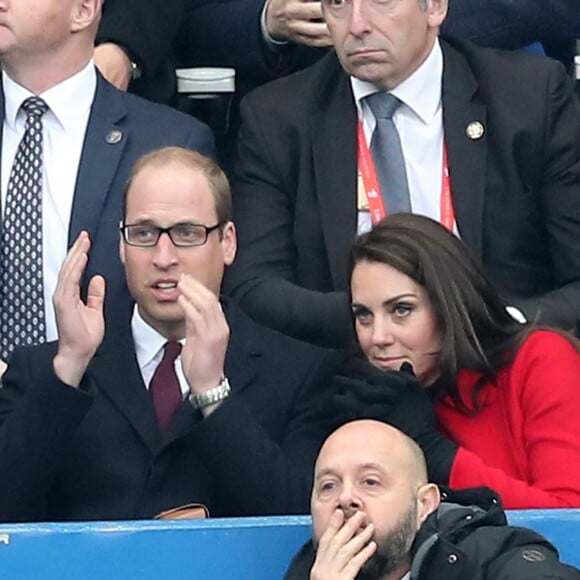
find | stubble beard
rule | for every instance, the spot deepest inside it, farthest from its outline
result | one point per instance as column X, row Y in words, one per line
column 392, row 548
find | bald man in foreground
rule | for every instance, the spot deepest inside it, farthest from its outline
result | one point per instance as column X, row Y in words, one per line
column 375, row 517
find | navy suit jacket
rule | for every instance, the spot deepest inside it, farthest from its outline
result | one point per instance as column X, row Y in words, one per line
column 516, row 190
column 139, row 127
column 96, row 452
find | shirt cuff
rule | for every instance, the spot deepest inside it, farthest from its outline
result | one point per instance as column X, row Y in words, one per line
column 271, row 43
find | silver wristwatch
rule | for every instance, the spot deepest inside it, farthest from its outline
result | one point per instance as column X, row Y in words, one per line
column 215, row 395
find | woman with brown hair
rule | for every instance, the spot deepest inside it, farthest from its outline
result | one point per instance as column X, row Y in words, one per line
column 496, row 402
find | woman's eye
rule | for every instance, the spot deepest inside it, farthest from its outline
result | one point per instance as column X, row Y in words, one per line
column 362, row 316
column 402, row 310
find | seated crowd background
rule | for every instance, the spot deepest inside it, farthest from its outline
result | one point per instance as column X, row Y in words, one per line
column 137, row 383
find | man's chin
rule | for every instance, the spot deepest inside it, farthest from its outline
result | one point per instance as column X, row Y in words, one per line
column 370, row 72
column 378, row 567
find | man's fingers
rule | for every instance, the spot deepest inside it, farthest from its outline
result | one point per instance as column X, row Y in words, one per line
column 304, row 11
column 79, row 248
column 96, row 293
column 194, row 290
column 73, row 267
column 335, row 523
column 346, row 544
column 351, row 539
column 346, row 531
column 355, row 564
column 322, row 42
column 308, row 30
column 202, row 299
column 193, row 317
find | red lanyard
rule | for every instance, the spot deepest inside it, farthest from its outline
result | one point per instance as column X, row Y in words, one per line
column 372, row 188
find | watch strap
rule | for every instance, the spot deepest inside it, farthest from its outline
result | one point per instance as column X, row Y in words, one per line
column 215, row 395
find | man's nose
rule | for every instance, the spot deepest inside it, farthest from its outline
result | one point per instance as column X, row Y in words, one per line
column 359, row 18
column 165, row 252
column 349, row 500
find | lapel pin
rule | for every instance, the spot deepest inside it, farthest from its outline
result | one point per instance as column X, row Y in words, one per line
column 114, row 136
column 475, row 130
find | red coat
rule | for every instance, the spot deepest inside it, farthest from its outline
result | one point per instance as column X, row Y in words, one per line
column 525, row 442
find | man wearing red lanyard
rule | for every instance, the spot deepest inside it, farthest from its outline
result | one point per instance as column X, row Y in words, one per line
column 490, row 144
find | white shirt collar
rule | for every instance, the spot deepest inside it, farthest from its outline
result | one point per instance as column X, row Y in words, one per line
column 421, row 92
column 148, row 342
column 67, row 101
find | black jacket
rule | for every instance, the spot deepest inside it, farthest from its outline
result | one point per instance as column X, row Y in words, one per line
column 468, row 537
column 96, row 453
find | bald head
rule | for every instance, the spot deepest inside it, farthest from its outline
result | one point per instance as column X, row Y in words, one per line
column 373, row 469
column 397, row 449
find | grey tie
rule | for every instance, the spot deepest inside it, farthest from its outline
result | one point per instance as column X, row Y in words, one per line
column 387, row 153
column 22, row 306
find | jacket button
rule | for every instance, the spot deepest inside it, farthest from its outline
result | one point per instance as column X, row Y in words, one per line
column 452, row 558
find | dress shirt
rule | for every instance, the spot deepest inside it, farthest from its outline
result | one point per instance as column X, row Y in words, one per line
column 149, row 346
column 64, row 127
column 419, row 121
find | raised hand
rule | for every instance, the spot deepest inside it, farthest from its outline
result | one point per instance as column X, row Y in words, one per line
column 81, row 326
column 343, row 548
column 207, row 335
column 298, row 21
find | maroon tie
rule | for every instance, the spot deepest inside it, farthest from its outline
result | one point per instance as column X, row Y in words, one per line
column 165, row 388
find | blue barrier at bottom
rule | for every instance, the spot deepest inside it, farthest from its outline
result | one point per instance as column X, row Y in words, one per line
column 237, row 549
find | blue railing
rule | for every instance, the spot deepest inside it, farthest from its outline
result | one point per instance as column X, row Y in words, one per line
column 220, row 549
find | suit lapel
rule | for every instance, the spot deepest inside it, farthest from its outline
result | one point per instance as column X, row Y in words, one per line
column 244, row 350
column 467, row 154
column 116, row 372
column 103, row 147
column 335, row 168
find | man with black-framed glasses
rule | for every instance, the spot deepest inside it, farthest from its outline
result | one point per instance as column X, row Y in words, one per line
column 185, row 401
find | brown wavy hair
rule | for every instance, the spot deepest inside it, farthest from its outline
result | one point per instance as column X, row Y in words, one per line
column 477, row 333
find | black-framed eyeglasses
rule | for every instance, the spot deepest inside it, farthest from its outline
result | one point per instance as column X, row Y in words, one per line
column 183, row 235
